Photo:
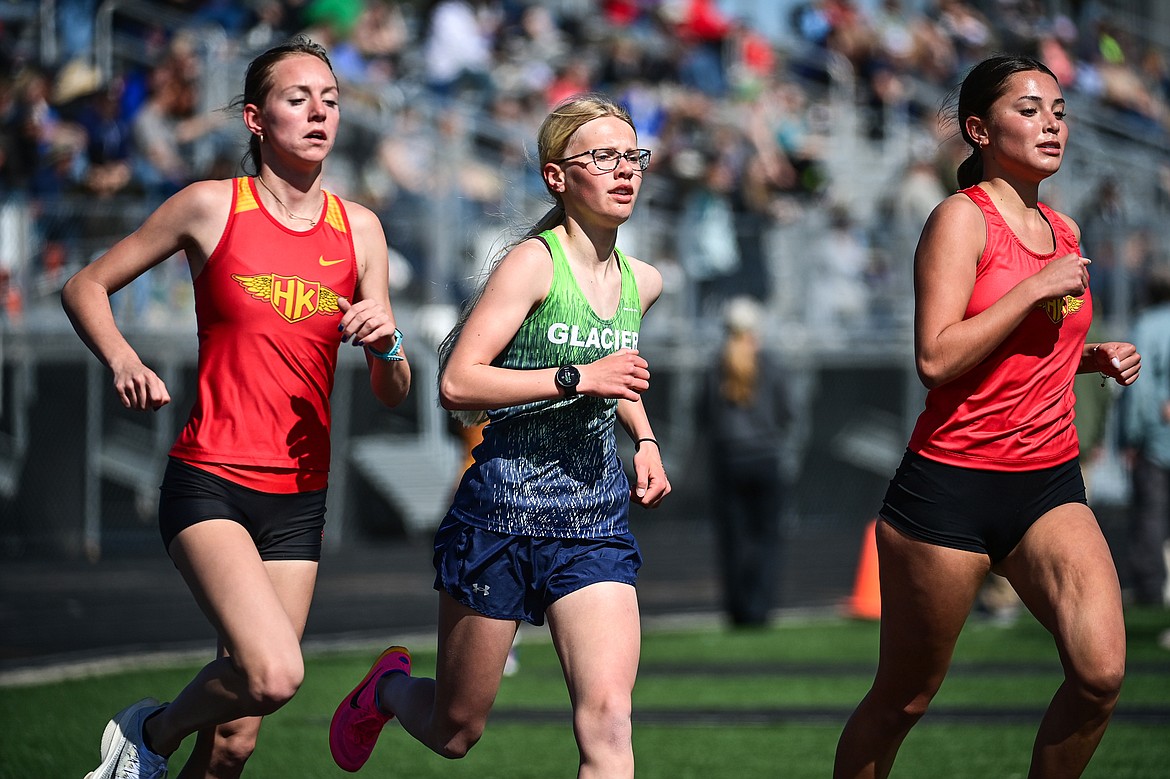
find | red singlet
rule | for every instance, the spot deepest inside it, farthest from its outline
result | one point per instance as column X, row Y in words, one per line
column 266, row 306
column 1014, row 410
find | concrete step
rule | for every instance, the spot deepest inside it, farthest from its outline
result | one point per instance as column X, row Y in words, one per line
column 416, row 477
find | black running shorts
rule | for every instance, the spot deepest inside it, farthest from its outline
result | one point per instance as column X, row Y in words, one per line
column 283, row 526
column 976, row 510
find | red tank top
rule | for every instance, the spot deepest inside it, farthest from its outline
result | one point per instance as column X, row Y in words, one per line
column 1014, row 410
column 266, row 307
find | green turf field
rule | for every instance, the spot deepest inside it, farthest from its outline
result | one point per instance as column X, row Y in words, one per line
column 709, row 703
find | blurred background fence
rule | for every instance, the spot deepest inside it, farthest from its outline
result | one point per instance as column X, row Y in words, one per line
column 796, row 156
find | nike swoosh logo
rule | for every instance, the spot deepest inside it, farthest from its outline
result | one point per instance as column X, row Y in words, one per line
column 324, row 261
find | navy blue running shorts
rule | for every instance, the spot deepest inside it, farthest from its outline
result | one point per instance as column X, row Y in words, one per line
column 284, row 526
column 518, row 577
column 973, row 509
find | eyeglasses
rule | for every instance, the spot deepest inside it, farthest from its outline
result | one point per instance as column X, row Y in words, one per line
column 608, row 159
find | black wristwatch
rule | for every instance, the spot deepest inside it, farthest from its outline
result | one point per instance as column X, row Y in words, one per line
column 568, row 377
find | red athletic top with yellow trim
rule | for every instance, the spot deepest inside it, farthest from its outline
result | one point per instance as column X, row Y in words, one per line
column 267, row 313
column 1014, row 410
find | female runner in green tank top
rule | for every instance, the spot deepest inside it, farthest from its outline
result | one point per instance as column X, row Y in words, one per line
column 539, row 525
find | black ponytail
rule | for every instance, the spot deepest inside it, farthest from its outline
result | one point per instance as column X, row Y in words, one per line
column 970, row 170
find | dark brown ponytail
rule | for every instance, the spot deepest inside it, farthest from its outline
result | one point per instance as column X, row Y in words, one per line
column 970, row 170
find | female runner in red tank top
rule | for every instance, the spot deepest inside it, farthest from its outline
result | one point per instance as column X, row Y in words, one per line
column 990, row 481
column 284, row 273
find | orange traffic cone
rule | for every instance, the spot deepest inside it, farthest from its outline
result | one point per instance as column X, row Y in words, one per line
column 866, row 602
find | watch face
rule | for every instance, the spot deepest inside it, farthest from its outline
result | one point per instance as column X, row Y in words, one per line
column 568, row 377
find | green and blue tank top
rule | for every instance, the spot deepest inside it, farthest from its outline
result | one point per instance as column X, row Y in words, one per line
column 551, row 468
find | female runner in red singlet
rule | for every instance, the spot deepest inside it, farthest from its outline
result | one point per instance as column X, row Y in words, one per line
column 284, row 273
column 991, row 481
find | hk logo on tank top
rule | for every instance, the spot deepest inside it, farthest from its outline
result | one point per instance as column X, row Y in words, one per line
column 1058, row 308
column 292, row 297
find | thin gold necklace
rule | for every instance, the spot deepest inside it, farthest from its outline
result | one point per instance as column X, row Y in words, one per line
column 287, row 210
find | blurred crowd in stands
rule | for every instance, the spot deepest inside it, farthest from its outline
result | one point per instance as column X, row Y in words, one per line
column 736, row 117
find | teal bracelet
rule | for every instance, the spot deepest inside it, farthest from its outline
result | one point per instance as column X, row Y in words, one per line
column 393, row 354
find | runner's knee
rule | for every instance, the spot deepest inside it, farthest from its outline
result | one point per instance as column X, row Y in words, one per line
column 459, row 733
column 898, row 712
column 1101, row 682
column 273, row 681
column 603, row 722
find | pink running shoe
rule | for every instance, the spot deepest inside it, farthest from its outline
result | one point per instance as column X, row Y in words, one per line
column 358, row 721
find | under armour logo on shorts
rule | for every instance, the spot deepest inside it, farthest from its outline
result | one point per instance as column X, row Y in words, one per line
column 481, row 589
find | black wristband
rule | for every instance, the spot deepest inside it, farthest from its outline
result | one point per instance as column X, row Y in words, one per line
column 638, row 443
